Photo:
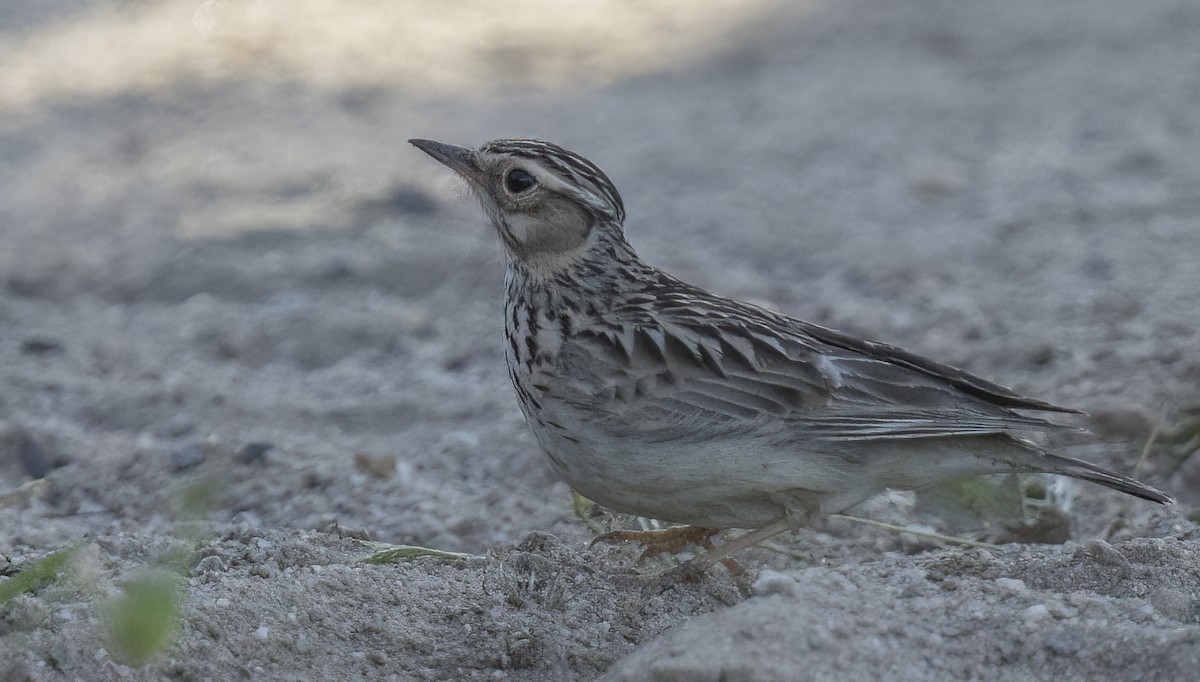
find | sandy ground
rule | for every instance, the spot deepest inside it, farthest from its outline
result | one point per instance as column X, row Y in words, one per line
column 244, row 326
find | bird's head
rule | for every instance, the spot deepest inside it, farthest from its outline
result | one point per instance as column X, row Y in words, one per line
column 550, row 206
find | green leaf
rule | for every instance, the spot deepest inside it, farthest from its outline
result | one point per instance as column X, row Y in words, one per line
column 36, row 575
column 392, row 554
column 144, row 621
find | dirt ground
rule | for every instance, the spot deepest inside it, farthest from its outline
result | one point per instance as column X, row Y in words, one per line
column 245, row 328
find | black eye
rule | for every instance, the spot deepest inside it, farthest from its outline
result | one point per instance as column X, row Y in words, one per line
column 518, row 181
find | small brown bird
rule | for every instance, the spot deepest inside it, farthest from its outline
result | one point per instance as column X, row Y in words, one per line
column 657, row 398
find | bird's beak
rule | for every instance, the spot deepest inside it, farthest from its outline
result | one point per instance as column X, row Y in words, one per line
column 458, row 159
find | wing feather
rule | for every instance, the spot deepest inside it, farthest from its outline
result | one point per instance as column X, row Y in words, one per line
column 712, row 364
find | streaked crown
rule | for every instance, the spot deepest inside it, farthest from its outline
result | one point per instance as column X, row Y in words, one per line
column 583, row 178
column 550, row 206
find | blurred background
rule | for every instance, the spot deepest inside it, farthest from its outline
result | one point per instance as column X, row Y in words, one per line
column 243, row 323
column 218, row 254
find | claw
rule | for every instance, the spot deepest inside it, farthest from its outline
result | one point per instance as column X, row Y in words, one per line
column 674, row 541
column 667, row 540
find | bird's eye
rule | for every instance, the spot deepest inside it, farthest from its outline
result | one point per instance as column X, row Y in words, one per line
column 518, row 181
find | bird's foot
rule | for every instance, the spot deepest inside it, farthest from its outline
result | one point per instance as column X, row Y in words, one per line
column 667, row 540
column 673, row 541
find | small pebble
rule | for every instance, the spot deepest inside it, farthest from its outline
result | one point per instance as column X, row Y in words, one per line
column 41, row 345
column 186, row 457
column 379, row 466
column 1035, row 613
column 1040, row 354
column 254, row 453
column 29, row 452
column 1174, row 604
column 773, row 582
column 1011, row 584
column 1102, row 553
column 210, row 564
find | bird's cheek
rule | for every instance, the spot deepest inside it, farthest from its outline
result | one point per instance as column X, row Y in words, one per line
column 521, row 227
column 562, row 226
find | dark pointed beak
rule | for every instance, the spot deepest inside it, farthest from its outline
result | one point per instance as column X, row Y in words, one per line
column 458, row 159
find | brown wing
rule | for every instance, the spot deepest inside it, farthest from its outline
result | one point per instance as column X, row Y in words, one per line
column 700, row 361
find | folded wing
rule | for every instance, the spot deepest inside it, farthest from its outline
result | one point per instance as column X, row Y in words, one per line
column 703, row 364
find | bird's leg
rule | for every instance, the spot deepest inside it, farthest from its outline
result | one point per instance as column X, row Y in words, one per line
column 668, row 540
column 671, row 541
column 693, row 569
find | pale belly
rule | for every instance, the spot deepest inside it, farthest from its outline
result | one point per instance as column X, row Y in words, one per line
column 718, row 482
column 743, row 482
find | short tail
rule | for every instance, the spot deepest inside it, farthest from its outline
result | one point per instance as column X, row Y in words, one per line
column 1077, row 468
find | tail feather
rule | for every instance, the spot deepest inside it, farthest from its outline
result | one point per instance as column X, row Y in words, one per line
column 1077, row 468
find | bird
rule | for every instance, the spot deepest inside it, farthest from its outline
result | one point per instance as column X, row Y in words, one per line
column 657, row 398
